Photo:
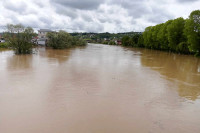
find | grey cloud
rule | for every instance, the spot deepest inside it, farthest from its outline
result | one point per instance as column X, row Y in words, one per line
column 159, row 15
column 46, row 20
column 87, row 17
column 135, row 8
column 79, row 25
column 66, row 11
column 15, row 7
column 40, row 4
column 187, row 1
column 94, row 15
column 32, row 23
column 79, row 4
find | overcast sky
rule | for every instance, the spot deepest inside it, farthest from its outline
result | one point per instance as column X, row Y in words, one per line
column 94, row 15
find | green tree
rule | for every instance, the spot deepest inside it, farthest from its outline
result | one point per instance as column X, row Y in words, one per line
column 147, row 35
column 126, row 41
column 176, row 33
column 192, row 31
column 19, row 38
column 163, row 36
column 62, row 40
column 134, row 40
column 140, row 41
column 155, row 40
column 183, row 48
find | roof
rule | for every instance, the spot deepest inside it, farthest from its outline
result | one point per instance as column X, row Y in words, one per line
column 45, row 30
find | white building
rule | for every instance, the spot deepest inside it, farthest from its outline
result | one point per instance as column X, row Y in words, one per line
column 1, row 38
column 42, row 38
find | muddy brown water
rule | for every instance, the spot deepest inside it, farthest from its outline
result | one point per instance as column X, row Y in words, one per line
column 99, row 89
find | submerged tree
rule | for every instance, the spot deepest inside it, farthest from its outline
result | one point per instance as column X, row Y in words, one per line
column 19, row 38
column 62, row 40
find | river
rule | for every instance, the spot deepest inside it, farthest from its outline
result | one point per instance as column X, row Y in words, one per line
column 99, row 89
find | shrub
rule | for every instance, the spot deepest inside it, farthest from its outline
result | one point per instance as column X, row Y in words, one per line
column 62, row 40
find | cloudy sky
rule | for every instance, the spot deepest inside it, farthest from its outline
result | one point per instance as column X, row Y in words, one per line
column 93, row 15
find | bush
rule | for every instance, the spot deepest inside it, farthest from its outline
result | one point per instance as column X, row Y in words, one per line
column 4, row 45
column 62, row 40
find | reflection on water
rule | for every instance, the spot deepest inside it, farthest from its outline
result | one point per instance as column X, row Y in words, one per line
column 19, row 62
column 180, row 69
column 99, row 89
column 55, row 55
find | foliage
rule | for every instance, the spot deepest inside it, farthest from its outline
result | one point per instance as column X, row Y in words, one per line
column 126, row 41
column 4, row 45
column 112, row 43
column 101, row 37
column 19, row 38
column 175, row 33
column 183, row 48
column 192, row 31
column 178, row 35
column 140, row 41
column 163, row 35
column 62, row 40
column 135, row 40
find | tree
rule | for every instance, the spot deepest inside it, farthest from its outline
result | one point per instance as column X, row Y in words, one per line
column 134, row 39
column 176, row 33
column 19, row 38
column 163, row 35
column 155, row 32
column 126, row 41
column 192, row 31
column 147, row 36
column 62, row 40
column 140, row 41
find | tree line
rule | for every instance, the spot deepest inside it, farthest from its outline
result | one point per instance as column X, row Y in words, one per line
column 178, row 35
column 19, row 38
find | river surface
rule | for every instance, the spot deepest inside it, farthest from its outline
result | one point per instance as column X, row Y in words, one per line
column 99, row 89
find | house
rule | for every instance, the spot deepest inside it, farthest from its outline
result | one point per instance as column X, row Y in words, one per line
column 118, row 42
column 1, row 38
column 42, row 36
column 43, row 32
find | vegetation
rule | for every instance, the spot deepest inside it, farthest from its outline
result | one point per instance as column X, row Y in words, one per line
column 4, row 45
column 104, row 38
column 192, row 31
column 62, row 40
column 19, row 38
column 178, row 35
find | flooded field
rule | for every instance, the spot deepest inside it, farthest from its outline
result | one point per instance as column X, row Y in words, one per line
column 99, row 89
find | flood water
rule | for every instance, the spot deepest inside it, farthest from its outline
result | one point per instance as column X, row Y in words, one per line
column 99, row 89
